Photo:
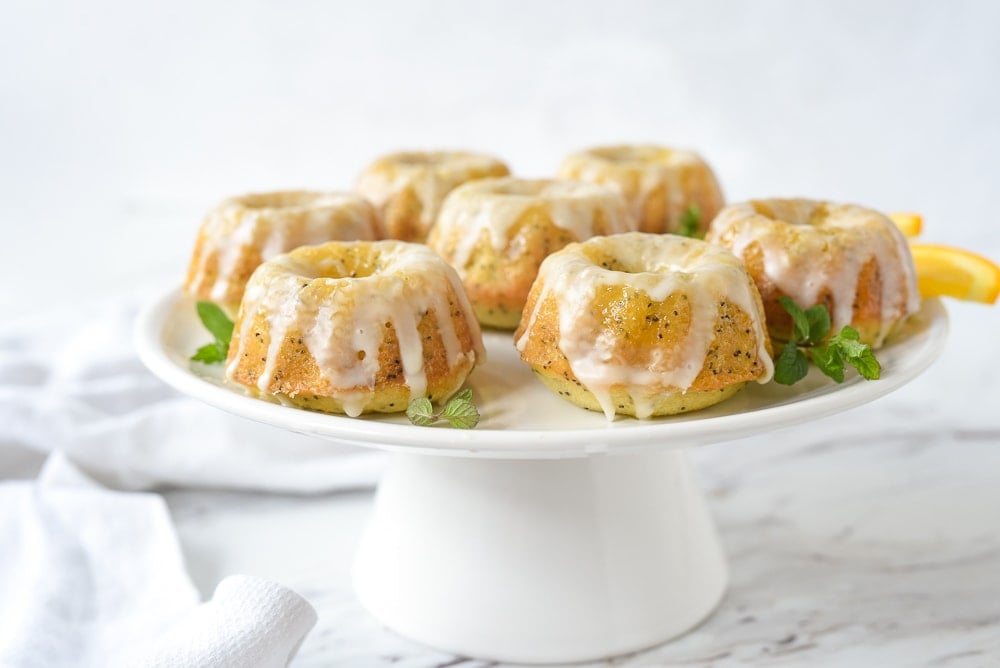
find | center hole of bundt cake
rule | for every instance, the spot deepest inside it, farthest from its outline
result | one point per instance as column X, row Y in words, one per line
column 430, row 159
column 634, row 154
column 793, row 212
column 544, row 188
column 629, row 258
column 348, row 265
column 520, row 187
column 614, row 263
column 280, row 200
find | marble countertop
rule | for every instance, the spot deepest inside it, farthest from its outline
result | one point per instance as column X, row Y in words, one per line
column 867, row 538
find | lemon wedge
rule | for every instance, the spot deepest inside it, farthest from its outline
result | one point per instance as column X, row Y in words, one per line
column 953, row 272
column 910, row 224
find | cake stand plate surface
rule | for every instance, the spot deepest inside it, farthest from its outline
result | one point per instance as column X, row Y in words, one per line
column 547, row 534
column 521, row 418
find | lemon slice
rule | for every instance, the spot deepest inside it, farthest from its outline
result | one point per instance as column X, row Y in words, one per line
column 953, row 272
column 910, row 224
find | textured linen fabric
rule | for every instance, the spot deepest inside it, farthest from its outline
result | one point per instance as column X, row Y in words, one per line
column 71, row 382
column 95, row 577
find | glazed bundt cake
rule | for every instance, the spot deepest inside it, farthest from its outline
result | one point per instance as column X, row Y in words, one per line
column 496, row 232
column 408, row 188
column 644, row 325
column 660, row 184
column 354, row 327
column 851, row 259
column 244, row 231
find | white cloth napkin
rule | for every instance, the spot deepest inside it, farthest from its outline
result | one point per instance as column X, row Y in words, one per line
column 248, row 622
column 71, row 382
column 94, row 577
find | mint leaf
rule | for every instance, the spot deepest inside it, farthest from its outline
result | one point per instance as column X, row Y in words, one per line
column 464, row 395
column 810, row 327
column 849, row 342
column 859, row 355
column 791, row 365
column 421, row 412
column 689, row 222
column 220, row 326
column 211, row 353
column 799, row 319
column 819, row 322
column 459, row 413
column 829, row 361
column 867, row 365
column 216, row 321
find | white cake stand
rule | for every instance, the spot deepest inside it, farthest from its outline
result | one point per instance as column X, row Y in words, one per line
column 547, row 534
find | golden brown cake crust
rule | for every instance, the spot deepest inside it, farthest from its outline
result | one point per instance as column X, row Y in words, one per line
column 242, row 232
column 496, row 232
column 658, row 183
column 643, row 338
column 354, row 327
column 852, row 260
column 407, row 188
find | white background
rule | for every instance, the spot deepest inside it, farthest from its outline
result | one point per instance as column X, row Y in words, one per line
column 122, row 122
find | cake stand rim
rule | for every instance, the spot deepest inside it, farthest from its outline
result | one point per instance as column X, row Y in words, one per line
column 173, row 367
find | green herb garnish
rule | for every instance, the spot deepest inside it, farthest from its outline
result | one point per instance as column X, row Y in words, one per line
column 809, row 329
column 459, row 413
column 689, row 222
column 220, row 326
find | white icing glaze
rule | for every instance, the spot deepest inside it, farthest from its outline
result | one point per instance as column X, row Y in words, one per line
column 493, row 206
column 431, row 175
column 809, row 247
column 275, row 223
column 649, row 167
column 665, row 264
column 343, row 330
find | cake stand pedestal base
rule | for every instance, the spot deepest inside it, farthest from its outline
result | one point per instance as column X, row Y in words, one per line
column 540, row 561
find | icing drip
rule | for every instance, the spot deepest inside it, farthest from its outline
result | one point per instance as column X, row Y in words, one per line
column 637, row 172
column 491, row 207
column 660, row 266
column 341, row 320
column 810, row 247
column 270, row 224
column 430, row 175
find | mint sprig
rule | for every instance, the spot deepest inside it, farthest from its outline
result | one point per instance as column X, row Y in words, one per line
column 809, row 328
column 791, row 365
column 689, row 222
column 459, row 413
column 219, row 326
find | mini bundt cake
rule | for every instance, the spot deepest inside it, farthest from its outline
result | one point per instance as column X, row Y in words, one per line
column 851, row 259
column 496, row 232
column 354, row 327
column 643, row 324
column 244, row 231
column 408, row 188
column 660, row 184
